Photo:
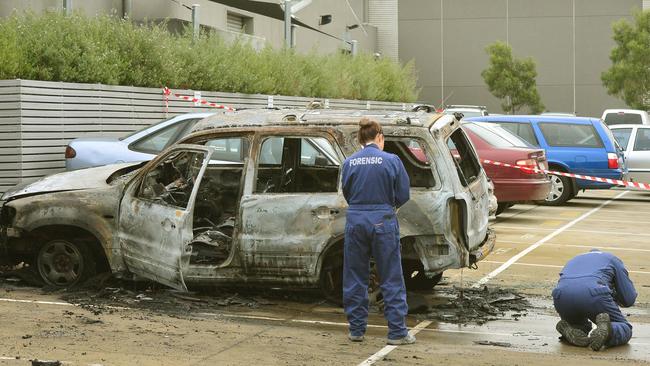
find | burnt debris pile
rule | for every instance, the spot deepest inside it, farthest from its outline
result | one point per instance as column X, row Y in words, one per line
column 469, row 305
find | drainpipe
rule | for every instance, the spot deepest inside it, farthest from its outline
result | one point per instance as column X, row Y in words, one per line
column 195, row 21
column 67, row 7
column 127, row 8
column 287, row 23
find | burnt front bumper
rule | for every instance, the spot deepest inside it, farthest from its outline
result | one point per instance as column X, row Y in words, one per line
column 484, row 249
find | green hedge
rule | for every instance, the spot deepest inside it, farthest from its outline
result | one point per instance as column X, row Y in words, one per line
column 108, row 50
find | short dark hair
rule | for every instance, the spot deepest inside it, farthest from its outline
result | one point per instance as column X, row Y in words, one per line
column 368, row 130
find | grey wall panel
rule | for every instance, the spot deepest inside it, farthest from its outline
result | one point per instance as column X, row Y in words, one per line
column 548, row 40
column 465, row 42
column 539, row 9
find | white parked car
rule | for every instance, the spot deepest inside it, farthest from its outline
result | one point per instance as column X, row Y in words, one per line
column 613, row 117
column 635, row 143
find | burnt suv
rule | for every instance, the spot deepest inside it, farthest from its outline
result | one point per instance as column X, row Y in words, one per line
column 252, row 197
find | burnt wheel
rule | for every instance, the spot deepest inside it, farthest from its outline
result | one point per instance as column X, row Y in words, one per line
column 64, row 263
column 331, row 278
column 421, row 282
column 501, row 207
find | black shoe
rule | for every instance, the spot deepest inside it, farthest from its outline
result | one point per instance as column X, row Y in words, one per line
column 602, row 333
column 572, row 335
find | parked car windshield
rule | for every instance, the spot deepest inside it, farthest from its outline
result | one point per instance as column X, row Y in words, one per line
column 622, row 135
column 622, row 118
column 495, row 135
column 570, row 134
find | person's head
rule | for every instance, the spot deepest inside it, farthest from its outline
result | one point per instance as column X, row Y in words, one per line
column 370, row 132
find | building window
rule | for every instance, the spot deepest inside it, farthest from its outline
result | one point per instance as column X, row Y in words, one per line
column 239, row 23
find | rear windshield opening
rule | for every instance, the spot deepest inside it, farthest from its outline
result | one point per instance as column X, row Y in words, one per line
column 414, row 158
column 612, row 119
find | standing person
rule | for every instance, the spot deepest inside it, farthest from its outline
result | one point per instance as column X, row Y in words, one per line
column 590, row 287
column 375, row 184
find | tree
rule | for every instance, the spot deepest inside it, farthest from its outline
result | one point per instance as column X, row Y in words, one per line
column 629, row 76
column 512, row 80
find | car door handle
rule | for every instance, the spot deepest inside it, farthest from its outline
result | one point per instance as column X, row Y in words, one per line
column 325, row 212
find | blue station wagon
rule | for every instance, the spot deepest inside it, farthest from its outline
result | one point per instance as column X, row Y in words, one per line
column 577, row 145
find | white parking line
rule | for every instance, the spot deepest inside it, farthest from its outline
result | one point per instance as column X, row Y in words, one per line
column 548, row 237
column 534, row 228
column 580, row 246
column 388, row 349
column 550, row 266
column 559, row 218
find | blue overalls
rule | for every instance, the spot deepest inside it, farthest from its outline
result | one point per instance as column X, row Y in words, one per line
column 375, row 183
column 591, row 284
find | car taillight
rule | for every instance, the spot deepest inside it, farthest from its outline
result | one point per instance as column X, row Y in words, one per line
column 612, row 161
column 70, row 152
column 529, row 164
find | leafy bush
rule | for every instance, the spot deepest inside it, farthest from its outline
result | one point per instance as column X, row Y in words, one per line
column 109, row 50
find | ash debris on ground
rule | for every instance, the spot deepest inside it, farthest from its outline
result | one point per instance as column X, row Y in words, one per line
column 106, row 294
column 469, row 305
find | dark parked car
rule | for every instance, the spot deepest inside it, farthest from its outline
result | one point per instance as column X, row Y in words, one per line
column 576, row 145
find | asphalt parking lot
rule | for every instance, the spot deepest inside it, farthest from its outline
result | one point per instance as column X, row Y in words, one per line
column 533, row 243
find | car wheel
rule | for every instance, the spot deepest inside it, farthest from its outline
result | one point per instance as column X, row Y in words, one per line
column 415, row 279
column 64, row 263
column 561, row 190
column 331, row 278
column 502, row 207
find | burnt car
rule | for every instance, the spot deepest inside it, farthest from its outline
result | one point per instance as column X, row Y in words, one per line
column 252, row 197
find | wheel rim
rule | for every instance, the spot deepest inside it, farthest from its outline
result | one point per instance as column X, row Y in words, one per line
column 60, row 263
column 557, row 189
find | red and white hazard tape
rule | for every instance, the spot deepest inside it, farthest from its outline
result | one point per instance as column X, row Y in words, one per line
column 167, row 92
column 617, row 182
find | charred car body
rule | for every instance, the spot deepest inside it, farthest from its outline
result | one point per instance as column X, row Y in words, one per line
column 252, row 197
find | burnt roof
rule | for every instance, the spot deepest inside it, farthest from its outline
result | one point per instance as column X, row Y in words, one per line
column 303, row 117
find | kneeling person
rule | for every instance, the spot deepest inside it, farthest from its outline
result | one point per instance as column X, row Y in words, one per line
column 591, row 287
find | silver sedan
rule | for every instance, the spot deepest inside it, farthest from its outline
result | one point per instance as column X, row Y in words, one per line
column 635, row 142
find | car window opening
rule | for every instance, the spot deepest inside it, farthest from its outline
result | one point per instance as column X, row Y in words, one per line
column 217, row 202
column 523, row 130
column 570, row 134
column 171, row 182
column 642, row 141
column 467, row 166
column 295, row 164
column 415, row 161
column 622, row 118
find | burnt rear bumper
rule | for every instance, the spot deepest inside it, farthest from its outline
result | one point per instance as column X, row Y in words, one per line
column 484, row 249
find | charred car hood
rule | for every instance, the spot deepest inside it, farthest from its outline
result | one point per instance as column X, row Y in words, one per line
column 67, row 181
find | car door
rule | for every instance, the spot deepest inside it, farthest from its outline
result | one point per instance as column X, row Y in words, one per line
column 292, row 206
column 155, row 215
column 638, row 155
column 471, row 187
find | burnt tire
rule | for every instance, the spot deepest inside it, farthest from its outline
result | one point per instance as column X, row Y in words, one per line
column 421, row 282
column 561, row 191
column 502, row 207
column 415, row 279
column 331, row 278
column 65, row 263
